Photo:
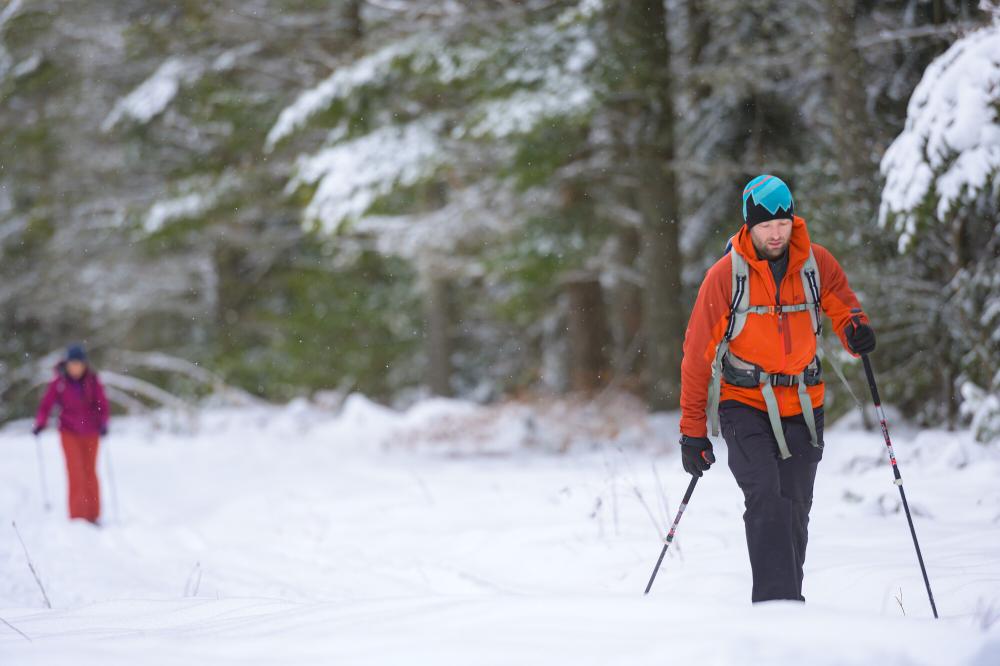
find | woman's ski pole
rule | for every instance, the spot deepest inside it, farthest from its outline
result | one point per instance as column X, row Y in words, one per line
column 41, row 473
column 111, row 480
column 895, row 470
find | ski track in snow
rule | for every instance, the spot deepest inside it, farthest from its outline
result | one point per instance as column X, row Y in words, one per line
column 288, row 535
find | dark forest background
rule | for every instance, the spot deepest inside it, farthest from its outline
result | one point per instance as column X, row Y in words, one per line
column 472, row 199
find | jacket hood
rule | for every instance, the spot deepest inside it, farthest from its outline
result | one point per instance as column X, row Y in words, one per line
column 798, row 247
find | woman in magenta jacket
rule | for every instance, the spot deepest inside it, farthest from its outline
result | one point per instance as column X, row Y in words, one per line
column 83, row 418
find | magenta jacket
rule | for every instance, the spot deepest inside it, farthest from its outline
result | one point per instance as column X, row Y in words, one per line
column 84, row 407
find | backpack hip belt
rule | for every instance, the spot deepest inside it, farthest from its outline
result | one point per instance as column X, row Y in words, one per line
column 738, row 372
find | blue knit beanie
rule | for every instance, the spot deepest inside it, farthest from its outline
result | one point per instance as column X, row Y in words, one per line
column 76, row 352
column 766, row 198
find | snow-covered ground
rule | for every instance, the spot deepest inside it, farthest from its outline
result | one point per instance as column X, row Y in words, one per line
column 295, row 536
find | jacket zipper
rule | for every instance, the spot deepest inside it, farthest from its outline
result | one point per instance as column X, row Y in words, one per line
column 783, row 331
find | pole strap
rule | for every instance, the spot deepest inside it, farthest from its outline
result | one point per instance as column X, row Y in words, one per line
column 821, row 351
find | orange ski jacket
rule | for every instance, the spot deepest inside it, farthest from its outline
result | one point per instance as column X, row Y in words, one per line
column 778, row 342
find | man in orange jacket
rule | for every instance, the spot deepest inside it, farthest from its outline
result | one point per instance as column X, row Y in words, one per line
column 750, row 365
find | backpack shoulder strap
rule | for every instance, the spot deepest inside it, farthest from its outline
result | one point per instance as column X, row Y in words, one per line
column 740, row 296
column 811, row 285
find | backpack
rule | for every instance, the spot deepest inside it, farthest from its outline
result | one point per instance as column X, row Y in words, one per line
column 743, row 373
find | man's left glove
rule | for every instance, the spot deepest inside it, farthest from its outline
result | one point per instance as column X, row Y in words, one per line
column 860, row 336
column 696, row 454
column 104, row 431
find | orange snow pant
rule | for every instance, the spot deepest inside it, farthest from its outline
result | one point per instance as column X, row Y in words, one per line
column 81, row 471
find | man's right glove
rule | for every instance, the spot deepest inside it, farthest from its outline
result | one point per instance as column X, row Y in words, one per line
column 696, row 454
column 37, row 429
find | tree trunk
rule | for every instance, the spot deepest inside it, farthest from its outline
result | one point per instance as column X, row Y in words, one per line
column 626, row 299
column 699, row 36
column 643, row 43
column 851, row 128
column 437, row 321
column 352, row 16
column 663, row 318
column 586, row 332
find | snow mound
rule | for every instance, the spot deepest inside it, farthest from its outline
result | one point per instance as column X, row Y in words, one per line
column 553, row 425
column 328, row 532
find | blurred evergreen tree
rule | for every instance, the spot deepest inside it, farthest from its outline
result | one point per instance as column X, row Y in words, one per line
column 471, row 198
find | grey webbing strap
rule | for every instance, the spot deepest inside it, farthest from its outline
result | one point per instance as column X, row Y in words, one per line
column 807, row 409
column 774, row 415
column 821, row 352
column 737, row 318
column 740, row 295
column 769, row 309
column 715, row 389
column 810, row 284
column 757, row 309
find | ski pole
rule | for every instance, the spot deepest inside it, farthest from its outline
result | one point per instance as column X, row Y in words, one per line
column 41, row 473
column 673, row 528
column 898, row 478
column 111, row 480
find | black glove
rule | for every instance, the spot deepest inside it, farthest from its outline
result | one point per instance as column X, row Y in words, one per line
column 696, row 454
column 104, row 431
column 37, row 429
column 860, row 337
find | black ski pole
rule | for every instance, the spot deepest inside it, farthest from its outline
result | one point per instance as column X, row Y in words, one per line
column 41, row 473
column 895, row 471
column 673, row 528
column 111, row 480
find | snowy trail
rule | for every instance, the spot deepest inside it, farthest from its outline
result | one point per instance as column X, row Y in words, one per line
column 289, row 536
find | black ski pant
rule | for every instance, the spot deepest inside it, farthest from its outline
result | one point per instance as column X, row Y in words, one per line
column 778, row 494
